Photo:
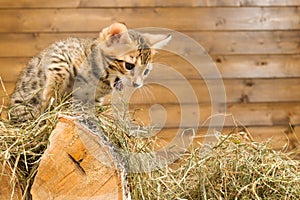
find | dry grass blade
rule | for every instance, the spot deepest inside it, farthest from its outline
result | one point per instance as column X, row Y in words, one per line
column 233, row 169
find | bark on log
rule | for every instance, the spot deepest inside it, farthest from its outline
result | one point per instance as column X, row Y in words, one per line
column 69, row 170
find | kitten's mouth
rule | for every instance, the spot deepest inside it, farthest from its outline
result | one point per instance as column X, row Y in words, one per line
column 118, row 84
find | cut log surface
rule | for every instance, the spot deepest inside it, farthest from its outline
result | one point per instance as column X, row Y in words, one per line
column 68, row 170
column 7, row 189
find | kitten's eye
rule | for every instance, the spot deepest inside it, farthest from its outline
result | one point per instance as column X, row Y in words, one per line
column 146, row 72
column 129, row 66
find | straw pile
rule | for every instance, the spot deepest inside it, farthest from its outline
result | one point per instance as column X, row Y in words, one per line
column 233, row 169
column 22, row 145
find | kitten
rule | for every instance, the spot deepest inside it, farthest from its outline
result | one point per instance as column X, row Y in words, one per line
column 91, row 67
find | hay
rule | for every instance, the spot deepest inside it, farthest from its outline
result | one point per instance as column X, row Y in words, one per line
column 233, row 169
column 23, row 143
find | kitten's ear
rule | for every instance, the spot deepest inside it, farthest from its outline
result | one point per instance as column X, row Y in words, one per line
column 117, row 28
column 157, row 41
column 115, row 33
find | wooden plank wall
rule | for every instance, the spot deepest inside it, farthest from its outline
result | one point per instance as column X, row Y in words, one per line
column 255, row 44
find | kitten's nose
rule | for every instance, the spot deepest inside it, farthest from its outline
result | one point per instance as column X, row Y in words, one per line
column 137, row 85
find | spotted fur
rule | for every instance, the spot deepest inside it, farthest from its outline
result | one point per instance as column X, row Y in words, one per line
column 92, row 67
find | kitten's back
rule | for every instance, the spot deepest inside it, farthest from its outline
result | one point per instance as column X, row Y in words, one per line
column 63, row 58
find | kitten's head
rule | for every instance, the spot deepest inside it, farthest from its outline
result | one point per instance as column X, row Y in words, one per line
column 130, row 54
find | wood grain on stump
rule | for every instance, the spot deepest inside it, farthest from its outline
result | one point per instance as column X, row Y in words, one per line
column 9, row 188
column 68, row 170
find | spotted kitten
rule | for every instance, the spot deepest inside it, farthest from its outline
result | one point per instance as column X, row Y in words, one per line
column 91, row 67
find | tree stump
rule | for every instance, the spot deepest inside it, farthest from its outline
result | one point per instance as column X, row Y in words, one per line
column 69, row 170
column 7, row 189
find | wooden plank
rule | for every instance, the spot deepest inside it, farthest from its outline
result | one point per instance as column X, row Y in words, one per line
column 143, row 3
column 271, row 90
column 269, row 2
column 109, row 3
column 258, row 66
column 234, row 66
column 10, row 68
column 230, row 67
column 249, row 114
column 279, row 137
column 15, row 45
column 294, row 138
column 39, row 4
column 262, row 90
column 5, row 90
column 265, row 114
column 246, row 91
column 245, row 42
column 194, row 91
column 74, row 20
column 215, row 43
column 258, row 114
